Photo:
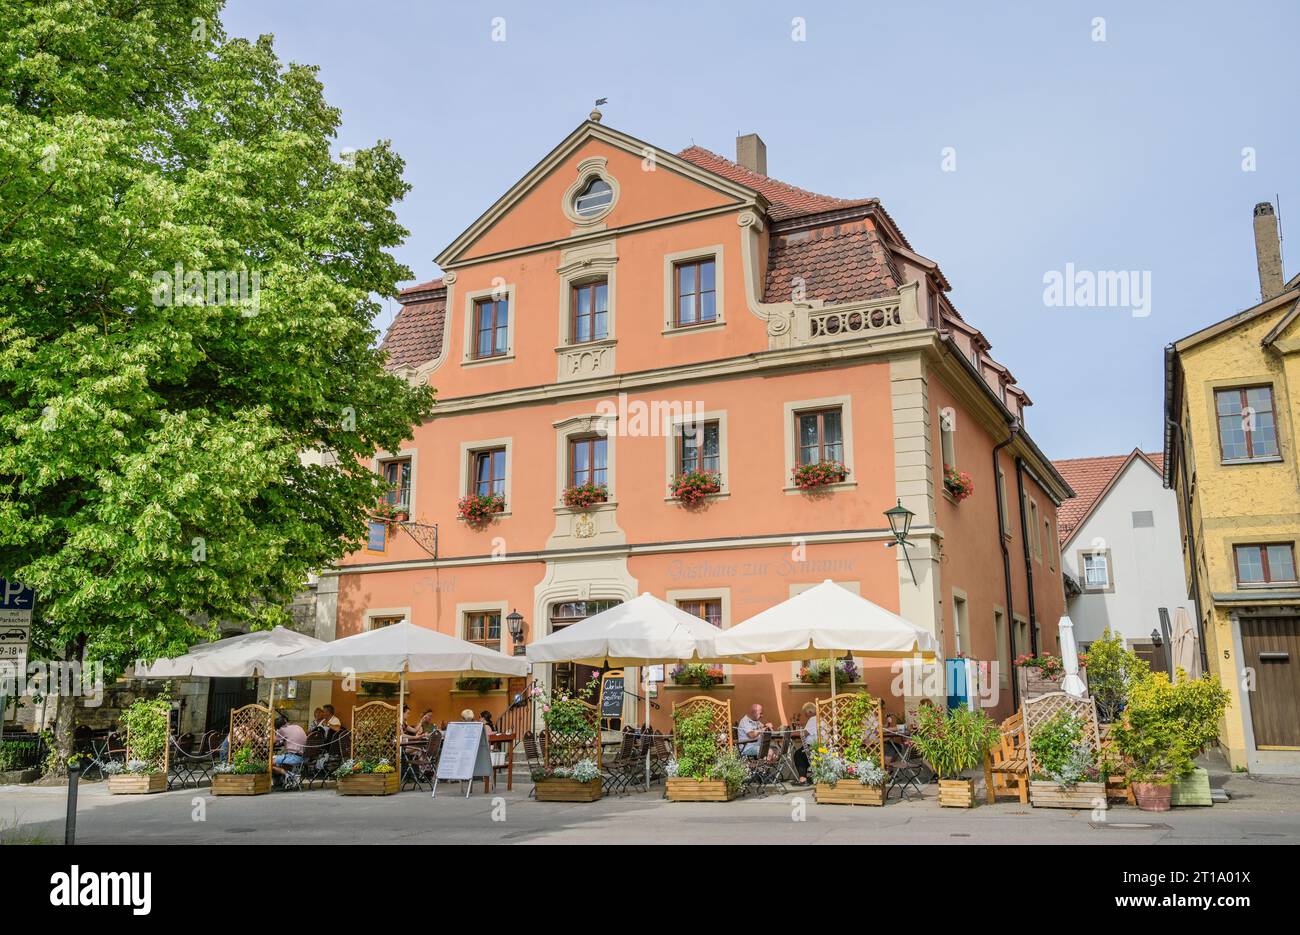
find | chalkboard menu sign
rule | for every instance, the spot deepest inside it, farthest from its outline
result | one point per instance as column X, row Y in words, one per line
column 611, row 694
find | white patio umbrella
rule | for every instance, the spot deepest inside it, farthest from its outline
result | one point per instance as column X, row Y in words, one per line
column 1072, row 684
column 234, row 657
column 828, row 620
column 642, row 632
column 399, row 652
column 1186, row 651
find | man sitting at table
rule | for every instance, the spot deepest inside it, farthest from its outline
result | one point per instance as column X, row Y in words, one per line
column 751, row 729
column 295, row 743
column 803, row 756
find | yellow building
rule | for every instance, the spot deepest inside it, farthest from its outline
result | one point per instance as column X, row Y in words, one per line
column 1232, row 455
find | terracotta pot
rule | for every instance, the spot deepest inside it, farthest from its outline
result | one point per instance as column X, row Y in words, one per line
column 1153, row 796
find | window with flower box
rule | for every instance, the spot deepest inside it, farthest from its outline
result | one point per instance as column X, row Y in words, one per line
column 587, row 464
column 488, row 472
column 699, row 448
column 397, row 474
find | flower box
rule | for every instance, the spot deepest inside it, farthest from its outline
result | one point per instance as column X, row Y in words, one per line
column 818, row 474
column 1033, row 683
column 137, row 783
column 568, row 790
column 1193, row 789
column 241, row 784
column 685, row 789
column 849, row 793
column 1046, row 794
column 369, row 784
column 585, row 496
column 957, row 793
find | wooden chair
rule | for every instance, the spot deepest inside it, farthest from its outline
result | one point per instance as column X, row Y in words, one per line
column 1117, row 785
column 1006, row 768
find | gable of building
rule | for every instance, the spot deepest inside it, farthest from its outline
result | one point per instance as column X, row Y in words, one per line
column 1093, row 479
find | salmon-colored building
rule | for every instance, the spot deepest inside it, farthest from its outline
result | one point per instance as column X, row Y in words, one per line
column 623, row 315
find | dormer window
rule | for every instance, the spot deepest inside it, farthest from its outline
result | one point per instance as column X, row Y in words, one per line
column 595, row 196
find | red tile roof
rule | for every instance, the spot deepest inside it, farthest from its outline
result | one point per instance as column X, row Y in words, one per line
column 786, row 200
column 1090, row 477
column 837, row 263
column 415, row 336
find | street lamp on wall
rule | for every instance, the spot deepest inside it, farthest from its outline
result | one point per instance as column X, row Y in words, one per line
column 900, row 523
column 515, row 621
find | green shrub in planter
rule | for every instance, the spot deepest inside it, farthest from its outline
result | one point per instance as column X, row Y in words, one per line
column 1167, row 725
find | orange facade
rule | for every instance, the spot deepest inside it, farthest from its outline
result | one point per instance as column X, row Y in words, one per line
column 757, row 326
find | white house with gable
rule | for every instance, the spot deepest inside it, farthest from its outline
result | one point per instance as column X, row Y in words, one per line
column 1120, row 545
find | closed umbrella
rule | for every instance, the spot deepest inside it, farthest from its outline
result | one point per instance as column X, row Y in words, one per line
column 1072, row 684
column 1186, row 652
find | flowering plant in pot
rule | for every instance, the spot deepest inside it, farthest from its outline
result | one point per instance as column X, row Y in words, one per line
column 1166, row 725
column 818, row 474
column 585, row 496
column 818, row 672
column 479, row 509
column 694, row 487
column 384, row 512
column 1048, row 666
column 699, row 674
column 957, row 483
column 953, row 742
column 703, row 769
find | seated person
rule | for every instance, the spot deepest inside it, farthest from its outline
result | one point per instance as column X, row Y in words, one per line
column 750, row 731
column 317, row 718
column 426, row 725
column 332, row 722
column 486, row 717
column 803, row 756
column 294, row 739
column 407, row 729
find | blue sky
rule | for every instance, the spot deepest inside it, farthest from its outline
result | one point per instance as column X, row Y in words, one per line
column 1123, row 154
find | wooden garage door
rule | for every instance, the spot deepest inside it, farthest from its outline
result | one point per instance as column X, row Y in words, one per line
column 1272, row 648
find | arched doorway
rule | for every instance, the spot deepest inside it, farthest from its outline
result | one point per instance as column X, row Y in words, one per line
column 571, row 676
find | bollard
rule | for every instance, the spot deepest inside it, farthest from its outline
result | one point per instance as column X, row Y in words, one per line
column 70, row 823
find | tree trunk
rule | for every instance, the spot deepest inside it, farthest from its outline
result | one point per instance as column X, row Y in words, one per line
column 65, row 718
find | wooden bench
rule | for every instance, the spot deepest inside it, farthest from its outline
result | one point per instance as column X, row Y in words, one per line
column 1117, row 785
column 1006, row 768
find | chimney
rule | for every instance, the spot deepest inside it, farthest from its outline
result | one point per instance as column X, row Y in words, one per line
column 751, row 152
column 1268, row 251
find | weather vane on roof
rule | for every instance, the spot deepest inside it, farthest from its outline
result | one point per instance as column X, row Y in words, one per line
column 595, row 113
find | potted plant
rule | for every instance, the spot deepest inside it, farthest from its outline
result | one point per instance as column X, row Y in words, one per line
column 1066, row 772
column 366, row 777
column 953, row 742
column 243, row 774
column 384, row 512
column 694, row 487
column 841, row 780
column 580, row 782
column 1166, row 725
column 957, row 483
column 148, row 731
column 571, row 771
column 585, row 496
column 476, row 684
column 699, row 674
column 704, row 769
column 818, row 672
column 1112, row 669
column 818, row 474
column 479, row 509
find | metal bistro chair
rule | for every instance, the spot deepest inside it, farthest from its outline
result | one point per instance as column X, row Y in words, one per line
column 104, row 750
column 420, row 763
column 533, row 757
column 620, row 769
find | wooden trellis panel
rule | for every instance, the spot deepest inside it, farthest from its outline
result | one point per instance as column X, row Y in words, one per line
column 719, row 718
column 374, row 732
column 252, row 726
column 833, row 734
column 160, row 762
column 565, row 750
column 1038, row 711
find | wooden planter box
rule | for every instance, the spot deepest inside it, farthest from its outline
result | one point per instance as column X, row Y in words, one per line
column 1032, row 684
column 1081, row 795
column 1192, row 790
column 369, row 784
column 697, row 790
column 137, row 783
column 849, row 793
column 569, row 790
column 246, row 784
column 957, row 793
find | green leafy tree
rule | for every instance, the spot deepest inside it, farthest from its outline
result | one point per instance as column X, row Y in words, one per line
column 151, row 477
